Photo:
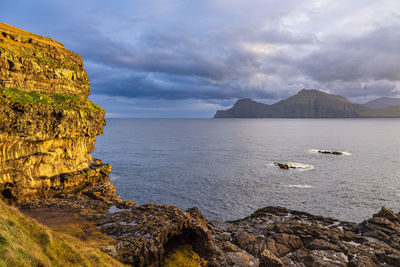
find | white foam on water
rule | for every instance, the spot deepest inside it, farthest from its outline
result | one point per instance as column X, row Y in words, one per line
column 299, row 185
column 114, row 176
column 114, row 209
column 300, row 166
column 296, row 166
column 133, row 223
column 345, row 153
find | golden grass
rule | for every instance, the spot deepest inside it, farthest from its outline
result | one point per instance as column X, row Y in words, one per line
column 184, row 256
column 25, row 242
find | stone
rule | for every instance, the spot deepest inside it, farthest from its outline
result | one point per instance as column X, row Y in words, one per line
column 267, row 259
column 110, row 250
column 281, row 165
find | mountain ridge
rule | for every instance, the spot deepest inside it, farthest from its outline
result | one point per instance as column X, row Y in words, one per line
column 307, row 103
column 383, row 102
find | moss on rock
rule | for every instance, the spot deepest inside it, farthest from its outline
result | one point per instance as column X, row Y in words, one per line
column 59, row 101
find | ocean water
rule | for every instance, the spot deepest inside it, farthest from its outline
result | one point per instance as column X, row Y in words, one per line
column 225, row 166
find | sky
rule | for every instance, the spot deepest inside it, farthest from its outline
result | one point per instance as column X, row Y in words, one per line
column 187, row 59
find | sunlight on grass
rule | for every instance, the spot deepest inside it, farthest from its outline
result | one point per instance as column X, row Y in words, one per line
column 184, row 256
column 25, row 242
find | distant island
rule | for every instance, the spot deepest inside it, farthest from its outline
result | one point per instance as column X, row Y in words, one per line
column 311, row 103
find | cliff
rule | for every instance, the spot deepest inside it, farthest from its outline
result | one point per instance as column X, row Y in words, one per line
column 308, row 103
column 48, row 126
column 33, row 63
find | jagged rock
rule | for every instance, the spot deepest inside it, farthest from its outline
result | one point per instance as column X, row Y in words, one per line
column 293, row 238
column 267, row 259
column 110, row 250
column 283, row 166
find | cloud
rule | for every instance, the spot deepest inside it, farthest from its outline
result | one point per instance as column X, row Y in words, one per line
column 218, row 51
column 371, row 57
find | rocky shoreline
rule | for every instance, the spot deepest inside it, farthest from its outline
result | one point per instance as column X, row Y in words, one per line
column 271, row 236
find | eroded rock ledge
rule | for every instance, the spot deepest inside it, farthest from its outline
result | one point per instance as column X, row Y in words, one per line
column 271, row 236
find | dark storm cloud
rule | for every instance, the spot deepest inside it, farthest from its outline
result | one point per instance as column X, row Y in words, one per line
column 218, row 51
column 167, row 86
column 162, row 53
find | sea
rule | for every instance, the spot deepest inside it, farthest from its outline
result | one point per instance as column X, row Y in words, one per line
column 225, row 167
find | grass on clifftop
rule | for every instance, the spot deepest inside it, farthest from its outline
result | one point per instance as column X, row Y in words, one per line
column 61, row 101
column 25, row 242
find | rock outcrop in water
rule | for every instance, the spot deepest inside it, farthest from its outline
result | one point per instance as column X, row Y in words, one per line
column 47, row 131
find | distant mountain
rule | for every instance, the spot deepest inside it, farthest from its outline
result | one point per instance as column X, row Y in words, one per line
column 308, row 103
column 383, row 102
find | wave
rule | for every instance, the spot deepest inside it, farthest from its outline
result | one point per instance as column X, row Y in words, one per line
column 312, row 150
column 299, row 185
column 114, row 176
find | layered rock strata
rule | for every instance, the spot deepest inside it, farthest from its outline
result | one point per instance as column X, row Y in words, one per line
column 48, row 126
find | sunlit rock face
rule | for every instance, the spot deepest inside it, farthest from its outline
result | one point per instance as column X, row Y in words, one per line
column 48, row 126
column 34, row 63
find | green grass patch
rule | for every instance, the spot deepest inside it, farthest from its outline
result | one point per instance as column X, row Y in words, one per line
column 59, row 101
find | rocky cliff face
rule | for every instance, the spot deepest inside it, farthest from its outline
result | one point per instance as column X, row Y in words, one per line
column 47, row 125
column 33, row 63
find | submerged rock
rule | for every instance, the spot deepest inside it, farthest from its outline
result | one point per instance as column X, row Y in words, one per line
column 281, row 165
column 331, row 152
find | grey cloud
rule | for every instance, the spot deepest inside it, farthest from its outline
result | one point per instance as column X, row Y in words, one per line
column 374, row 56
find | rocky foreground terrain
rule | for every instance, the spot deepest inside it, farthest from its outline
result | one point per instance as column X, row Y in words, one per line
column 271, row 236
column 47, row 131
